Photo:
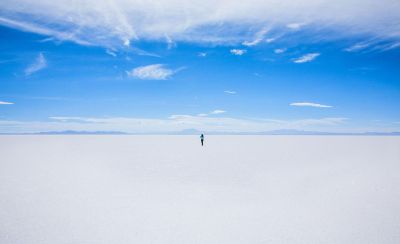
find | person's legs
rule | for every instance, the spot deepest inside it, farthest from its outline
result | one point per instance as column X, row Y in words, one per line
column 202, row 142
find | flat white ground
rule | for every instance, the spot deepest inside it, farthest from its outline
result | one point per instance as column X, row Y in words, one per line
column 170, row 190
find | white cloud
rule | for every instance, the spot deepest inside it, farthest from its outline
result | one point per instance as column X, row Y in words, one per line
column 5, row 103
column 390, row 46
column 280, row 50
column 127, row 43
column 218, row 111
column 170, row 43
column 375, row 45
column 230, row 92
column 238, row 52
column 270, row 40
column 111, row 53
column 202, row 54
column 306, row 58
column 295, row 26
column 357, row 47
column 258, row 37
column 152, row 72
column 39, row 64
column 43, row 30
column 251, row 43
column 119, row 21
column 308, row 104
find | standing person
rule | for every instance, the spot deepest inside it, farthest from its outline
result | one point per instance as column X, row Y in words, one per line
column 202, row 139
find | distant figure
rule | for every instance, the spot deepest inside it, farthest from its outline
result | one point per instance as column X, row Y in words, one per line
column 202, row 139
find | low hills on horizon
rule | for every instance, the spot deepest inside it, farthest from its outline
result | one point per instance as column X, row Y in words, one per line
column 197, row 132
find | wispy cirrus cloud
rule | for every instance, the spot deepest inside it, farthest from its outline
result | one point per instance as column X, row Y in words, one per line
column 170, row 43
column 45, row 30
column 218, row 111
column 270, row 40
column 230, row 92
column 280, row 50
column 39, row 64
column 214, row 112
column 152, row 72
column 306, row 58
column 309, row 104
column 374, row 45
column 251, row 43
column 390, row 46
column 358, row 47
column 295, row 26
column 202, row 54
column 238, row 52
column 118, row 22
column 5, row 103
column 111, row 52
column 258, row 37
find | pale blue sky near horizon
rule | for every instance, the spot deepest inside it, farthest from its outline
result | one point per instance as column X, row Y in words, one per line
column 101, row 68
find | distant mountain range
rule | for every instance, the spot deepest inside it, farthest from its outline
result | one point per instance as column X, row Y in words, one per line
column 70, row 132
column 284, row 132
column 197, row 132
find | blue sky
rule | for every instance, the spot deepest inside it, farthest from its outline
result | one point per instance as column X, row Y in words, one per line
column 224, row 66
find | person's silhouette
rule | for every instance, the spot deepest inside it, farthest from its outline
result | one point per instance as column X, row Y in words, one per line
column 202, row 139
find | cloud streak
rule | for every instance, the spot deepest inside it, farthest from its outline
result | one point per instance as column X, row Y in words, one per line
column 43, row 30
column 152, row 72
column 357, row 47
column 111, row 53
column 308, row 104
column 218, row 111
column 238, row 52
column 280, row 50
column 230, row 92
column 5, row 103
column 39, row 64
column 118, row 22
column 373, row 45
column 295, row 26
column 258, row 37
column 214, row 112
column 306, row 58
